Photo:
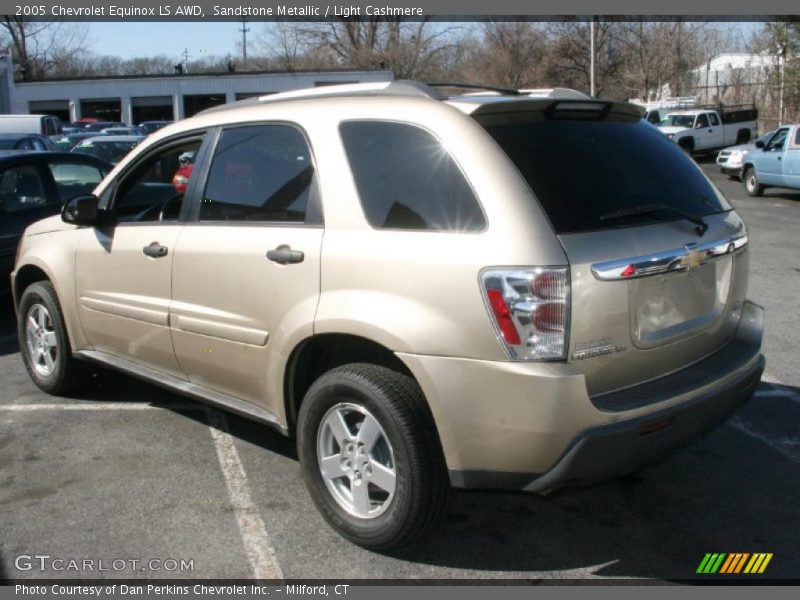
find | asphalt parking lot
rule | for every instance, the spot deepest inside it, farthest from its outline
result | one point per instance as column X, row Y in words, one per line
column 130, row 472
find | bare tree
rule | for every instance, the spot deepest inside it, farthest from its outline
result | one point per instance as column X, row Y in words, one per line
column 510, row 54
column 411, row 49
column 778, row 46
column 43, row 48
column 569, row 56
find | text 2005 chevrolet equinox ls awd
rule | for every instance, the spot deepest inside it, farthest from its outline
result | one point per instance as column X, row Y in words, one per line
column 484, row 291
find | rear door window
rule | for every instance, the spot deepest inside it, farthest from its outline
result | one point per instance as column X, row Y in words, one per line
column 407, row 180
column 582, row 170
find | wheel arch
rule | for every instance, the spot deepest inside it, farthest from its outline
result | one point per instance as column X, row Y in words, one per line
column 27, row 275
column 321, row 352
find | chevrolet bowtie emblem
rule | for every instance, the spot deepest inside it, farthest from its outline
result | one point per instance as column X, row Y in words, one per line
column 692, row 259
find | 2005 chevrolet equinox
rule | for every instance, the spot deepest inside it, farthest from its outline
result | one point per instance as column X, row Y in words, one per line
column 482, row 291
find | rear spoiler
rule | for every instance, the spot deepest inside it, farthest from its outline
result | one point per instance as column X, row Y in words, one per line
column 582, row 109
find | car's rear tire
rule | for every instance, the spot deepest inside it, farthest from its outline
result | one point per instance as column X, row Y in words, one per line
column 371, row 457
column 751, row 184
column 44, row 343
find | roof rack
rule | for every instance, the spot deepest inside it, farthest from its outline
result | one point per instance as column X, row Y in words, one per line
column 398, row 87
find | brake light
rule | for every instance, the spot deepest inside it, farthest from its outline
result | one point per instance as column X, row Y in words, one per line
column 530, row 310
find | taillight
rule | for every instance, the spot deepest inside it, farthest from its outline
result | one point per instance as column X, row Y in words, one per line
column 530, row 310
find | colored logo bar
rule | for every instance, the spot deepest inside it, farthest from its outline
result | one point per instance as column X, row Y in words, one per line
column 734, row 563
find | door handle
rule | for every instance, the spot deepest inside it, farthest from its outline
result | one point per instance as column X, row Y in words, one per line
column 284, row 255
column 155, row 250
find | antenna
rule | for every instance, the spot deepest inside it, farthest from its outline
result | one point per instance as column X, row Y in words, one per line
column 244, row 31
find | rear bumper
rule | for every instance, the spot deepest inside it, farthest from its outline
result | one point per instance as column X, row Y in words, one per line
column 619, row 448
column 533, row 427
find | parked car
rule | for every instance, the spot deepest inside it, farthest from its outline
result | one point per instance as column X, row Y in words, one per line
column 731, row 159
column 110, row 148
column 67, row 142
column 46, row 125
column 152, row 126
column 98, row 126
column 774, row 163
column 124, row 131
column 655, row 116
column 25, row 141
column 703, row 130
column 181, row 178
column 34, row 185
column 418, row 289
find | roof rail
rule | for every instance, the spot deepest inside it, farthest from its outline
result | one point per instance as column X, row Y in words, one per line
column 398, row 87
column 384, row 88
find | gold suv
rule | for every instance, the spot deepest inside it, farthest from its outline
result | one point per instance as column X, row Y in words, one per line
column 482, row 291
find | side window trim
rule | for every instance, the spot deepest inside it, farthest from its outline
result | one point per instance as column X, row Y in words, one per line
column 314, row 207
column 197, row 184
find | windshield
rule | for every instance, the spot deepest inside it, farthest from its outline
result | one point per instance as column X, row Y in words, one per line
column 583, row 170
column 677, row 121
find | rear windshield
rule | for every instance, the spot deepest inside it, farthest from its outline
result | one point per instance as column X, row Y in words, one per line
column 582, row 171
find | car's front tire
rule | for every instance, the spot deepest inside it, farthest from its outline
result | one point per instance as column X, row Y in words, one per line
column 44, row 343
column 371, row 457
column 751, row 184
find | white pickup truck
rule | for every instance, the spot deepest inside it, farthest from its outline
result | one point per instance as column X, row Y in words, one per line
column 705, row 130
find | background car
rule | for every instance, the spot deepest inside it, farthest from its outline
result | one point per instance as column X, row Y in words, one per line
column 111, row 148
column 98, row 126
column 38, row 124
column 34, row 185
column 65, row 143
column 152, row 126
column 181, row 178
column 124, row 131
column 731, row 159
column 25, row 141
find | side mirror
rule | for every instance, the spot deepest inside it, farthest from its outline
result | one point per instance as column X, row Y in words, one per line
column 759, row 143
column 81, row 210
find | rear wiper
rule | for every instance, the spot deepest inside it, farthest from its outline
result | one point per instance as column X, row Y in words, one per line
column 648, row 209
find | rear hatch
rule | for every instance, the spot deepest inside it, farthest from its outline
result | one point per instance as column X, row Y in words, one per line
column 658, row 264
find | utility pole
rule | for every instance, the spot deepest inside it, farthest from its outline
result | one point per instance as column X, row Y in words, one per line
column 592, row 57
column 782, row 64
column 244, row 31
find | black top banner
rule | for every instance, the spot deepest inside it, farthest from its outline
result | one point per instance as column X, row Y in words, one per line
column 210, row 10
